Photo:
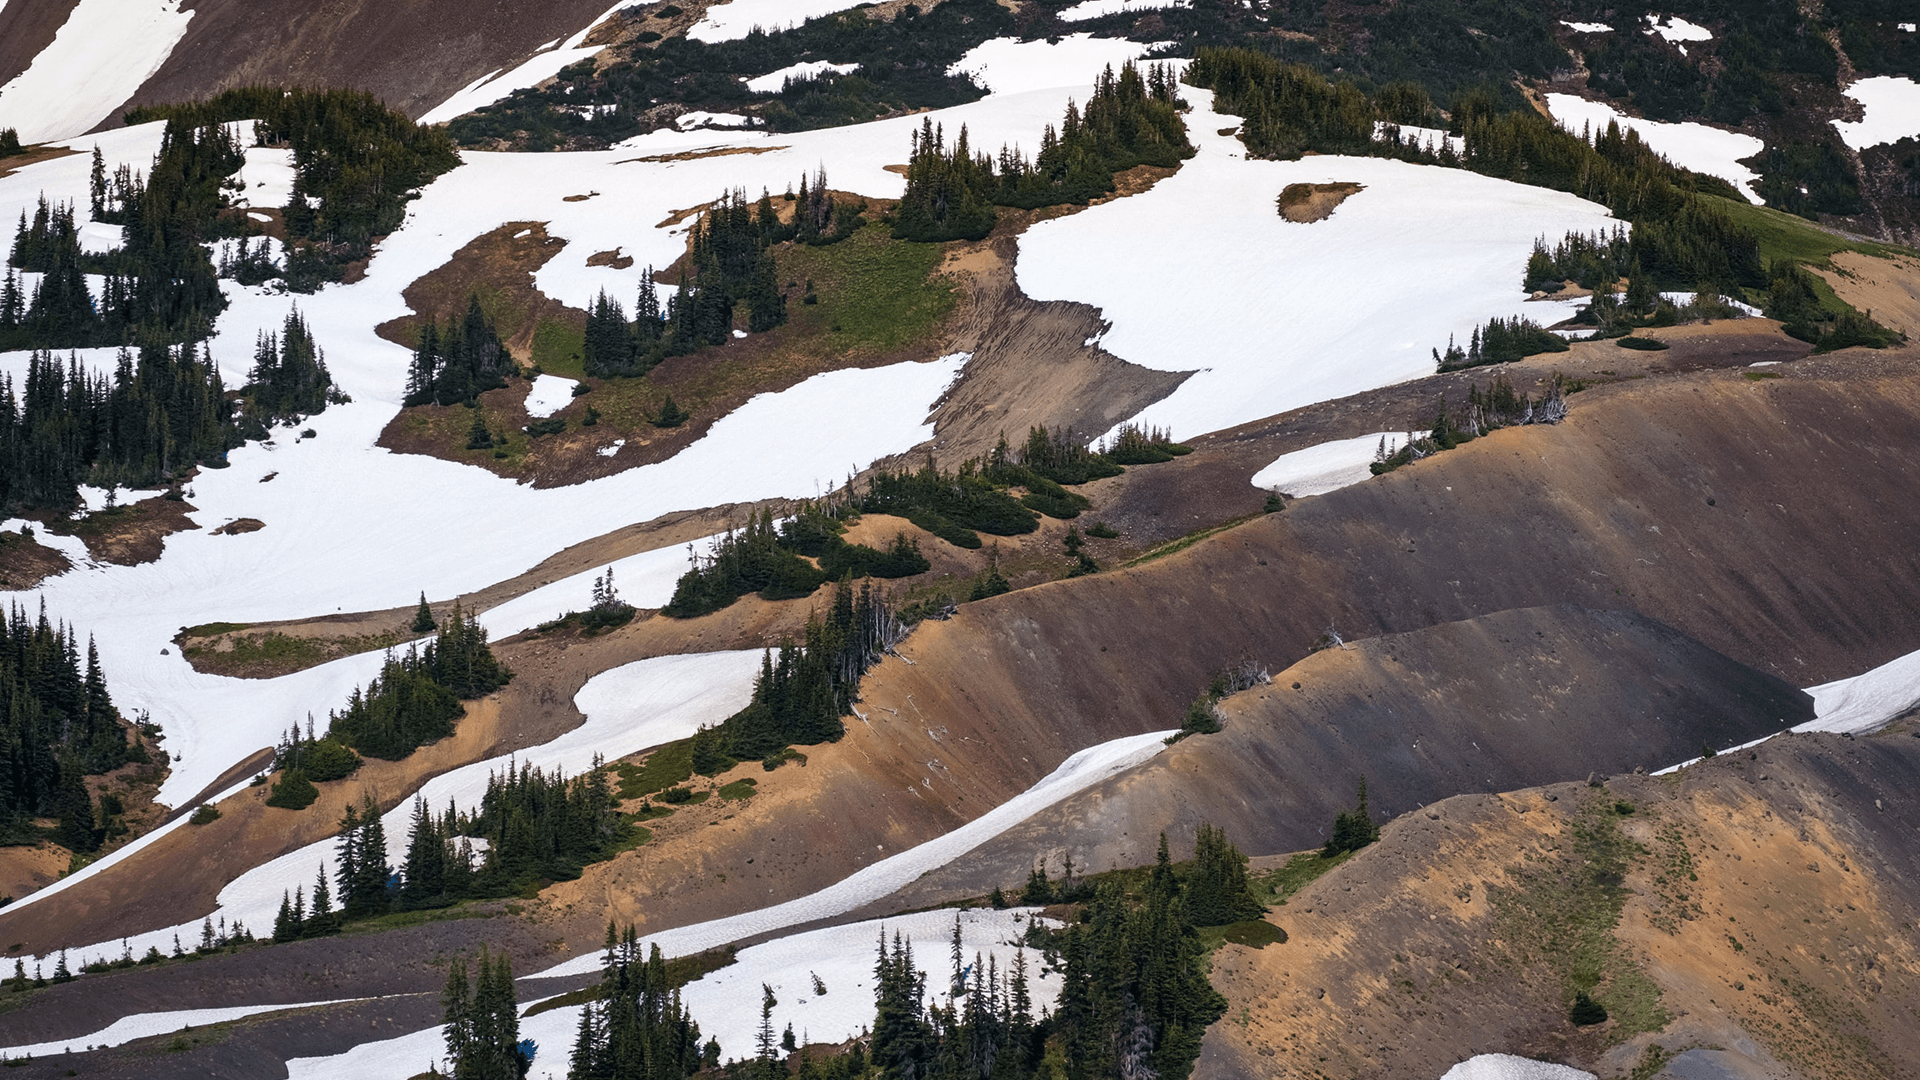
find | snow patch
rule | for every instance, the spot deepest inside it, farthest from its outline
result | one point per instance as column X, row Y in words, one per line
column 1706, row 150
column 1077, row 773
column 628, row 709
column 644, row 580
column 726, row 1003
column 549, row 394
column 1424, row 137
column 532, row 72
column 1509, row 1067
column 97, row 60
column 1094, row 9
column 1869, row 700
column 1676, row 29
column 1422, row 252
column 1325, row 467
column 143, row 1025
column 698, row 118
column 1012, row 66
column 1587, row 27
column 612, row 448
column 735, row 20
column 267, row 178
column 774, row 81
column 1891, row 111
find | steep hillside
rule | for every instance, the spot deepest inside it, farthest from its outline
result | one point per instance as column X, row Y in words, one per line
column 1502, row 701
column 1763, row 929
column 414, row 56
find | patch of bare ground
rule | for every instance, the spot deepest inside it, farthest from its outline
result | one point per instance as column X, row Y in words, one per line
column 1887, row 289
column 32, row 156
column 498, row 268
column 1767, row 900
column 710, row 384
column 130, row 534
column 26, row 562
column 239, row 526
column 349, row 43
column 26, row 868
column 1305, row 204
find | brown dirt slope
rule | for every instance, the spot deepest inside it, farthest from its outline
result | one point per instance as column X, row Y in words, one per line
column 1765, row 928
column 414, row 56
column 1504, row 701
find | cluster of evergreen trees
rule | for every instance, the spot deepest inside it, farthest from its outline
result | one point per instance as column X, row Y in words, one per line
column 802, row 692
column 1134, row 1000
column 1501, row 341
column 416, row 697
column 532, row 827
column 903, row 66
column 1590, row 260
column 1487, row 410
column 458, row 362
column 57, row 724
column 154, row 419
column 160, row 284
column 637, row 1029
column 766, row 558
column 483, row 1022
column 289, row 379
column 1130, row 120
column 356, row 164
column 729, row 263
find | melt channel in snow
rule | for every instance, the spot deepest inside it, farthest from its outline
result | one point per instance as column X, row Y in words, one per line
column 1352, row 303
column 1709, row 151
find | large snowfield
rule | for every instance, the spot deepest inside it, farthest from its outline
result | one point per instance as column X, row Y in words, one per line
column 1351, row 303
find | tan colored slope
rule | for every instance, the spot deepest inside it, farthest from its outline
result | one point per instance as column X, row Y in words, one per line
column 1771, row 902
column 1490, row 704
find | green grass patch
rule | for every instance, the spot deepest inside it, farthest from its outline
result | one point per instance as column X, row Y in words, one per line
column 1253, row 933
column 558, row 347
column 466, row 909
column 669, row 765
column 875, row 293
column 1784, row 236
column 1187, row 541
column 743, row 788
column 1559, row 910
column 681, row 970
column 637, row 835
column 1299, row 872
column 213, row 628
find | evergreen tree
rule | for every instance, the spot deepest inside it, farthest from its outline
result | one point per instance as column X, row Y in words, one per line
column 423, row 617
